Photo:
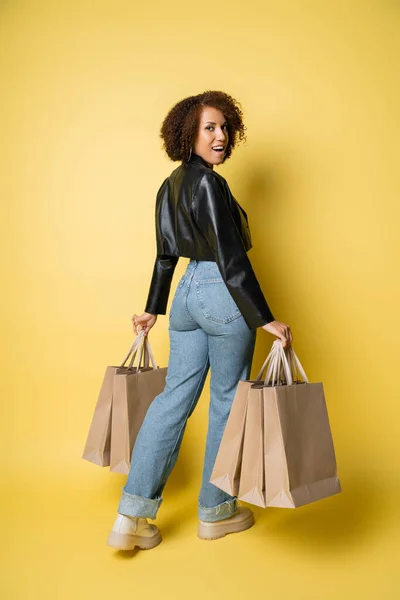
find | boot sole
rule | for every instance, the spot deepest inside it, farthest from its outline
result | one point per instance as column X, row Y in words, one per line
column 215, row 531
column 124, row 541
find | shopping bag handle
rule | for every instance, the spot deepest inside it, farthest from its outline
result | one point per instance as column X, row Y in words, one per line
column 290, row 363
column 133, row 347
column 142, row 344
column 150, row 352
column 271, row 353
column 280, row 361
column 144, row 347
column 270, row 359
column 138, row 353
column 296, row 365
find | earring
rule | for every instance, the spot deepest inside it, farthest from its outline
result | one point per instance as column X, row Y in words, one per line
column 190, row 153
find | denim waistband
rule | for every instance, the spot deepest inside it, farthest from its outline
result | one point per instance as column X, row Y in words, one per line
column 202, row 265
column 203, row 268
column 206, row 262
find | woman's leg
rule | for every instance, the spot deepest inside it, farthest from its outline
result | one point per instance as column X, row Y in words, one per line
column 157, row 445
column 231, row 356
column 231, row 347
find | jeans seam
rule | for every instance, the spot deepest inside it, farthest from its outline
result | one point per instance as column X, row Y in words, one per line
column 185, row 297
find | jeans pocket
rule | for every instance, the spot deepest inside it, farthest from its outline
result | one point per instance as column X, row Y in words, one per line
column 216, row 301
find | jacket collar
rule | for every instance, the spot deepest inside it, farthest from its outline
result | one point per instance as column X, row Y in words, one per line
column 198, row 159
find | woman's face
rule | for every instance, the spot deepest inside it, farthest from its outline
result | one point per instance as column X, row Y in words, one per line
column 212, row 133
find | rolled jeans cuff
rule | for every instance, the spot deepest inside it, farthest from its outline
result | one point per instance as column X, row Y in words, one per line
column 138, row 506
column 219, row 512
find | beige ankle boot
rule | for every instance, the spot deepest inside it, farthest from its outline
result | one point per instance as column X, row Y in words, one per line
column 242, row 519
column 128, row 532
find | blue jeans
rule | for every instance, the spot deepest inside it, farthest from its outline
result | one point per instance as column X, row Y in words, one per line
column 206, row 330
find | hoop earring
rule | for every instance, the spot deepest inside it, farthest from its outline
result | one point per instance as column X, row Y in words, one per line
column 190, row 153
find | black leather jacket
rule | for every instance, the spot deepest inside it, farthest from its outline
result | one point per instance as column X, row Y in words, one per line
column 197, row 217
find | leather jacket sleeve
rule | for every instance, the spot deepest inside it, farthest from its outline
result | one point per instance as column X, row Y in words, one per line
column 160, row 285
column 214, row 218
column 164, row 267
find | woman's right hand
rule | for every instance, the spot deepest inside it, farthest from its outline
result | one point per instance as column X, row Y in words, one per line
column 281, row 330
column 143, row 323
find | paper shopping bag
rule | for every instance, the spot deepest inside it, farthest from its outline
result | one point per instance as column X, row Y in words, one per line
column 227, row 467
column 134, row 390
column 300, row 463
column 97, row 447
column 252, row 481
column 98, row 442
column 226, row 473
column 226, row 470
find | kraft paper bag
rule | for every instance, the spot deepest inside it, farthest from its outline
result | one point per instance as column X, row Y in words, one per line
column 98, row 442
column 134, row 390
column 300, row 462
column 97, row 447
column 227, row 467
column 226, row 470
column 252, row 480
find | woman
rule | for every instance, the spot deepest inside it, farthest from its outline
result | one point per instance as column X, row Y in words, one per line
column 216, row 310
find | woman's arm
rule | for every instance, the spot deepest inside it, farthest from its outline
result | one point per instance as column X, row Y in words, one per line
column 160, row 285
column 214, row 219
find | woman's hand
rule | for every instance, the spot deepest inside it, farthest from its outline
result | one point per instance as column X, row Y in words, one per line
column 143, row 323
column 281, row 330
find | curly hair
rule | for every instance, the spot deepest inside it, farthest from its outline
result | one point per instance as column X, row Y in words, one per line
column 180, row 127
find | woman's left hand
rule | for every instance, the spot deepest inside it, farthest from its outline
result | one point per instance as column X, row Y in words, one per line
column 143, row 323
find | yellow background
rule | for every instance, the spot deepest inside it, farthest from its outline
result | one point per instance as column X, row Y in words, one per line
column 85, row 87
